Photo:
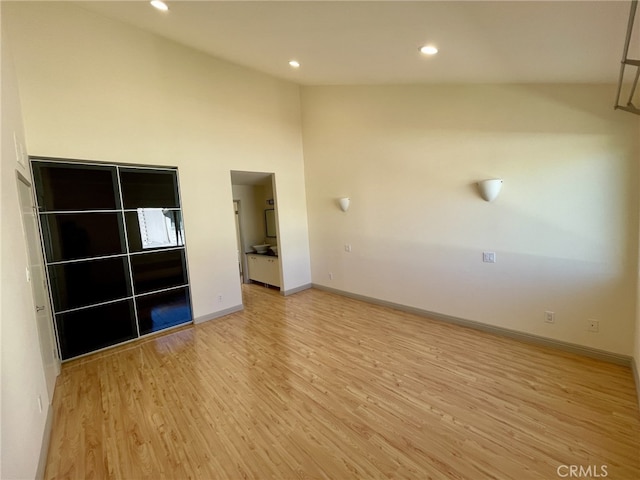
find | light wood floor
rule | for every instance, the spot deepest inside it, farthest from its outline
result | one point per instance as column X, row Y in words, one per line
column 320, row 386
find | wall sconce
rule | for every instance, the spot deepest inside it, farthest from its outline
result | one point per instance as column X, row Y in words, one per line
column 489, row 189
column 344, row 203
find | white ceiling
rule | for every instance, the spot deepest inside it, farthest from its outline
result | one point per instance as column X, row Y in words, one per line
column 376, row 42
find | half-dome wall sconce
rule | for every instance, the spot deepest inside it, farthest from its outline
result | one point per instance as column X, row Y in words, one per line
column 490, row 189
column 344, row 203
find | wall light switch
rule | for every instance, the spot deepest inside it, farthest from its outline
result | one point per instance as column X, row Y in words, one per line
column 347, row 248
column 489, row 257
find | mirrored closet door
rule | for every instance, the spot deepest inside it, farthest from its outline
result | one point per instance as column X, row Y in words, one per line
column 115, row 251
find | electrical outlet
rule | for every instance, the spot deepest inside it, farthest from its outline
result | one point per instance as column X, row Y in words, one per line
column 489, row 257
column 330, row 275
column 549, row 317
column 593, row 325
column 219, row 298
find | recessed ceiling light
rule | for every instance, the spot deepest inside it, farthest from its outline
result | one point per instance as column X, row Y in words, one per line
column 160, row 5
column 294, row 64
column 429, row 50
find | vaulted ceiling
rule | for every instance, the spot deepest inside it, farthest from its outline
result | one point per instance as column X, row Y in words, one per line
column 377, row 42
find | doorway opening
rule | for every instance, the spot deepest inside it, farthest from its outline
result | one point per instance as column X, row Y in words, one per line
column 256, row 216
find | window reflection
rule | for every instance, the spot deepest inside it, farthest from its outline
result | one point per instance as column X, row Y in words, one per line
column 158, row 228
column 154, row 228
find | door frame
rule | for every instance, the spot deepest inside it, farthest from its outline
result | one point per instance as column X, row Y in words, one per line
column 242, row 258
column 46, row 327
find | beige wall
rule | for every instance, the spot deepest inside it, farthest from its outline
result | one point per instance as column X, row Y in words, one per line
column 22, row 373
column 565, row 227
column 97, row 89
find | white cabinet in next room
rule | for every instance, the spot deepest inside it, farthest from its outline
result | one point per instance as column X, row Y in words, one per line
column 264, row 268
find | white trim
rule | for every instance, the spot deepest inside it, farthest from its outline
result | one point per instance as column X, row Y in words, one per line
column 88, row 259
column 103, row 210
column 291, row 291
column 145, row 167
column 218, row 314
column 46, row 441
column 125, row 234
column 96, row 163
column 70, row 310
column 183, row 232
column 130, row 210
column 184, row 285
column 116, row 255
column 162, row 249
column 76, row 212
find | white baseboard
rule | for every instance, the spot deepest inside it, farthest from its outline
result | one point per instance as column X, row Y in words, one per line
column 291, row 291
column 218, row 314
column 44, row 448
column 618, row 359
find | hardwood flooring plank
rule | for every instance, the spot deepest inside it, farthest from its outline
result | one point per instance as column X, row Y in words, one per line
column 319, row 386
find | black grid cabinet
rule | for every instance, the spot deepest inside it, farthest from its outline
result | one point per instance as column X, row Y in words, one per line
column 115, row 252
